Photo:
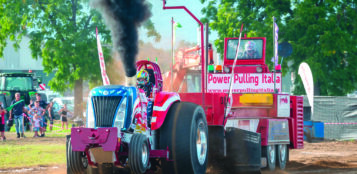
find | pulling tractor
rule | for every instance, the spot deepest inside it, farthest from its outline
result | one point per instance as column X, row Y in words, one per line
column 255, row 126
column 127, row 131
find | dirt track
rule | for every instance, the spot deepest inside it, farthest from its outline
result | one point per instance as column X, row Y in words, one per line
column 326, row 157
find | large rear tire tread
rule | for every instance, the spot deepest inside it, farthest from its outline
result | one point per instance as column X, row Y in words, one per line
column 182, row 130
column 137, row 142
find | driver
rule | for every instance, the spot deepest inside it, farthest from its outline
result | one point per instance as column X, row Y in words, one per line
column 250, row 50
column 143, row 82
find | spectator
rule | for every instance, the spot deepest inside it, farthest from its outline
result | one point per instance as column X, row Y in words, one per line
column 2, row 122
column 64, row 113
column 31, row 104
column 51, row 114
column 38, row 110
column 29, row 118
column 36, row 124
column 43, row 105
column 18, row 108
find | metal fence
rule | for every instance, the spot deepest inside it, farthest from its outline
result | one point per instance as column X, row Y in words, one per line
column 338, row 113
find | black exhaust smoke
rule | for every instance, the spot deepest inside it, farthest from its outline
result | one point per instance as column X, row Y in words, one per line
column 123, row 18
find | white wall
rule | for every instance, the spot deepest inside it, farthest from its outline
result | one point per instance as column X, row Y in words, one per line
column 20, row 59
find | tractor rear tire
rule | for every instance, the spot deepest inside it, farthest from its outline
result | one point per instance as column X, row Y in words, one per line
column 185, row 133
column 139, row 154
column 77, row 162
column 282, row 152
column 270, row 153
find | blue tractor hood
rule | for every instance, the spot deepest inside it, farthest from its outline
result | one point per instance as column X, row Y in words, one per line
column 114, row 90
column 111, row 91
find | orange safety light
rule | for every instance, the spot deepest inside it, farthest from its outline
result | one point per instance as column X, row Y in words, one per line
column 218, row 68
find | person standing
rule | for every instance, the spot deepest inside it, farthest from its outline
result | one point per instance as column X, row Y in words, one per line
column 43, row 105
column 37, row 109
column 51, row 114
column 2, row 122
column 64, row 113
column 36, row 124
column 16, row 113
column 30, row 117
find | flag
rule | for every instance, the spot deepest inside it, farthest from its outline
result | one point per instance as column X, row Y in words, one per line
column 276, row 30
column 42, row 86
column 101, row 60
column 175, row 26
column 308, row 81
column 10, row 107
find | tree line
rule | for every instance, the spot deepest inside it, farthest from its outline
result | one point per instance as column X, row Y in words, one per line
column 323, row 33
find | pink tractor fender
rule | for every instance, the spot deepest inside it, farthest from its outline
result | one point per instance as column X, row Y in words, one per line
column 162, row 104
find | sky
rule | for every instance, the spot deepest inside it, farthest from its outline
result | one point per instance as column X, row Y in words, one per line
column 162, row 22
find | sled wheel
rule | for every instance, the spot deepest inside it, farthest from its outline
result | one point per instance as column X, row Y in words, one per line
column 269, row 152
column 77, row 162
column 185, row 133
column 282, row 155
column 138, row 154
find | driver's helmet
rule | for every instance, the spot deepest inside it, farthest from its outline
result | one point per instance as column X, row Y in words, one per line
column 250, row 48
column 142, row 77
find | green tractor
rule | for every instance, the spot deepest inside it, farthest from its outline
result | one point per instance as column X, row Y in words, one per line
column 23, row 83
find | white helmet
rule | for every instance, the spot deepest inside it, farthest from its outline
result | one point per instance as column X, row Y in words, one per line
column 250, row 45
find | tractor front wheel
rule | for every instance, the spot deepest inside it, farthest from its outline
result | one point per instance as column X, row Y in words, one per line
column 138, row 154
column 185, row 133
column 77, row 162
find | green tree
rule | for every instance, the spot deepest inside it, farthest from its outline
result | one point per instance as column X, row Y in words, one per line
column 227, row 16
column 322, row 33
column 62, row 33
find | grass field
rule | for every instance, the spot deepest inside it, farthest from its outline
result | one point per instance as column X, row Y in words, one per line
column 24, row 155
column 56, row 131
column 29, row 151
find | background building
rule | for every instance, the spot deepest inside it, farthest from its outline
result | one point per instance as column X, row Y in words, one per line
column 21, row 60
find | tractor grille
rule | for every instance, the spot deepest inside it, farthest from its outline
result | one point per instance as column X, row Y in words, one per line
column 104, row 109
